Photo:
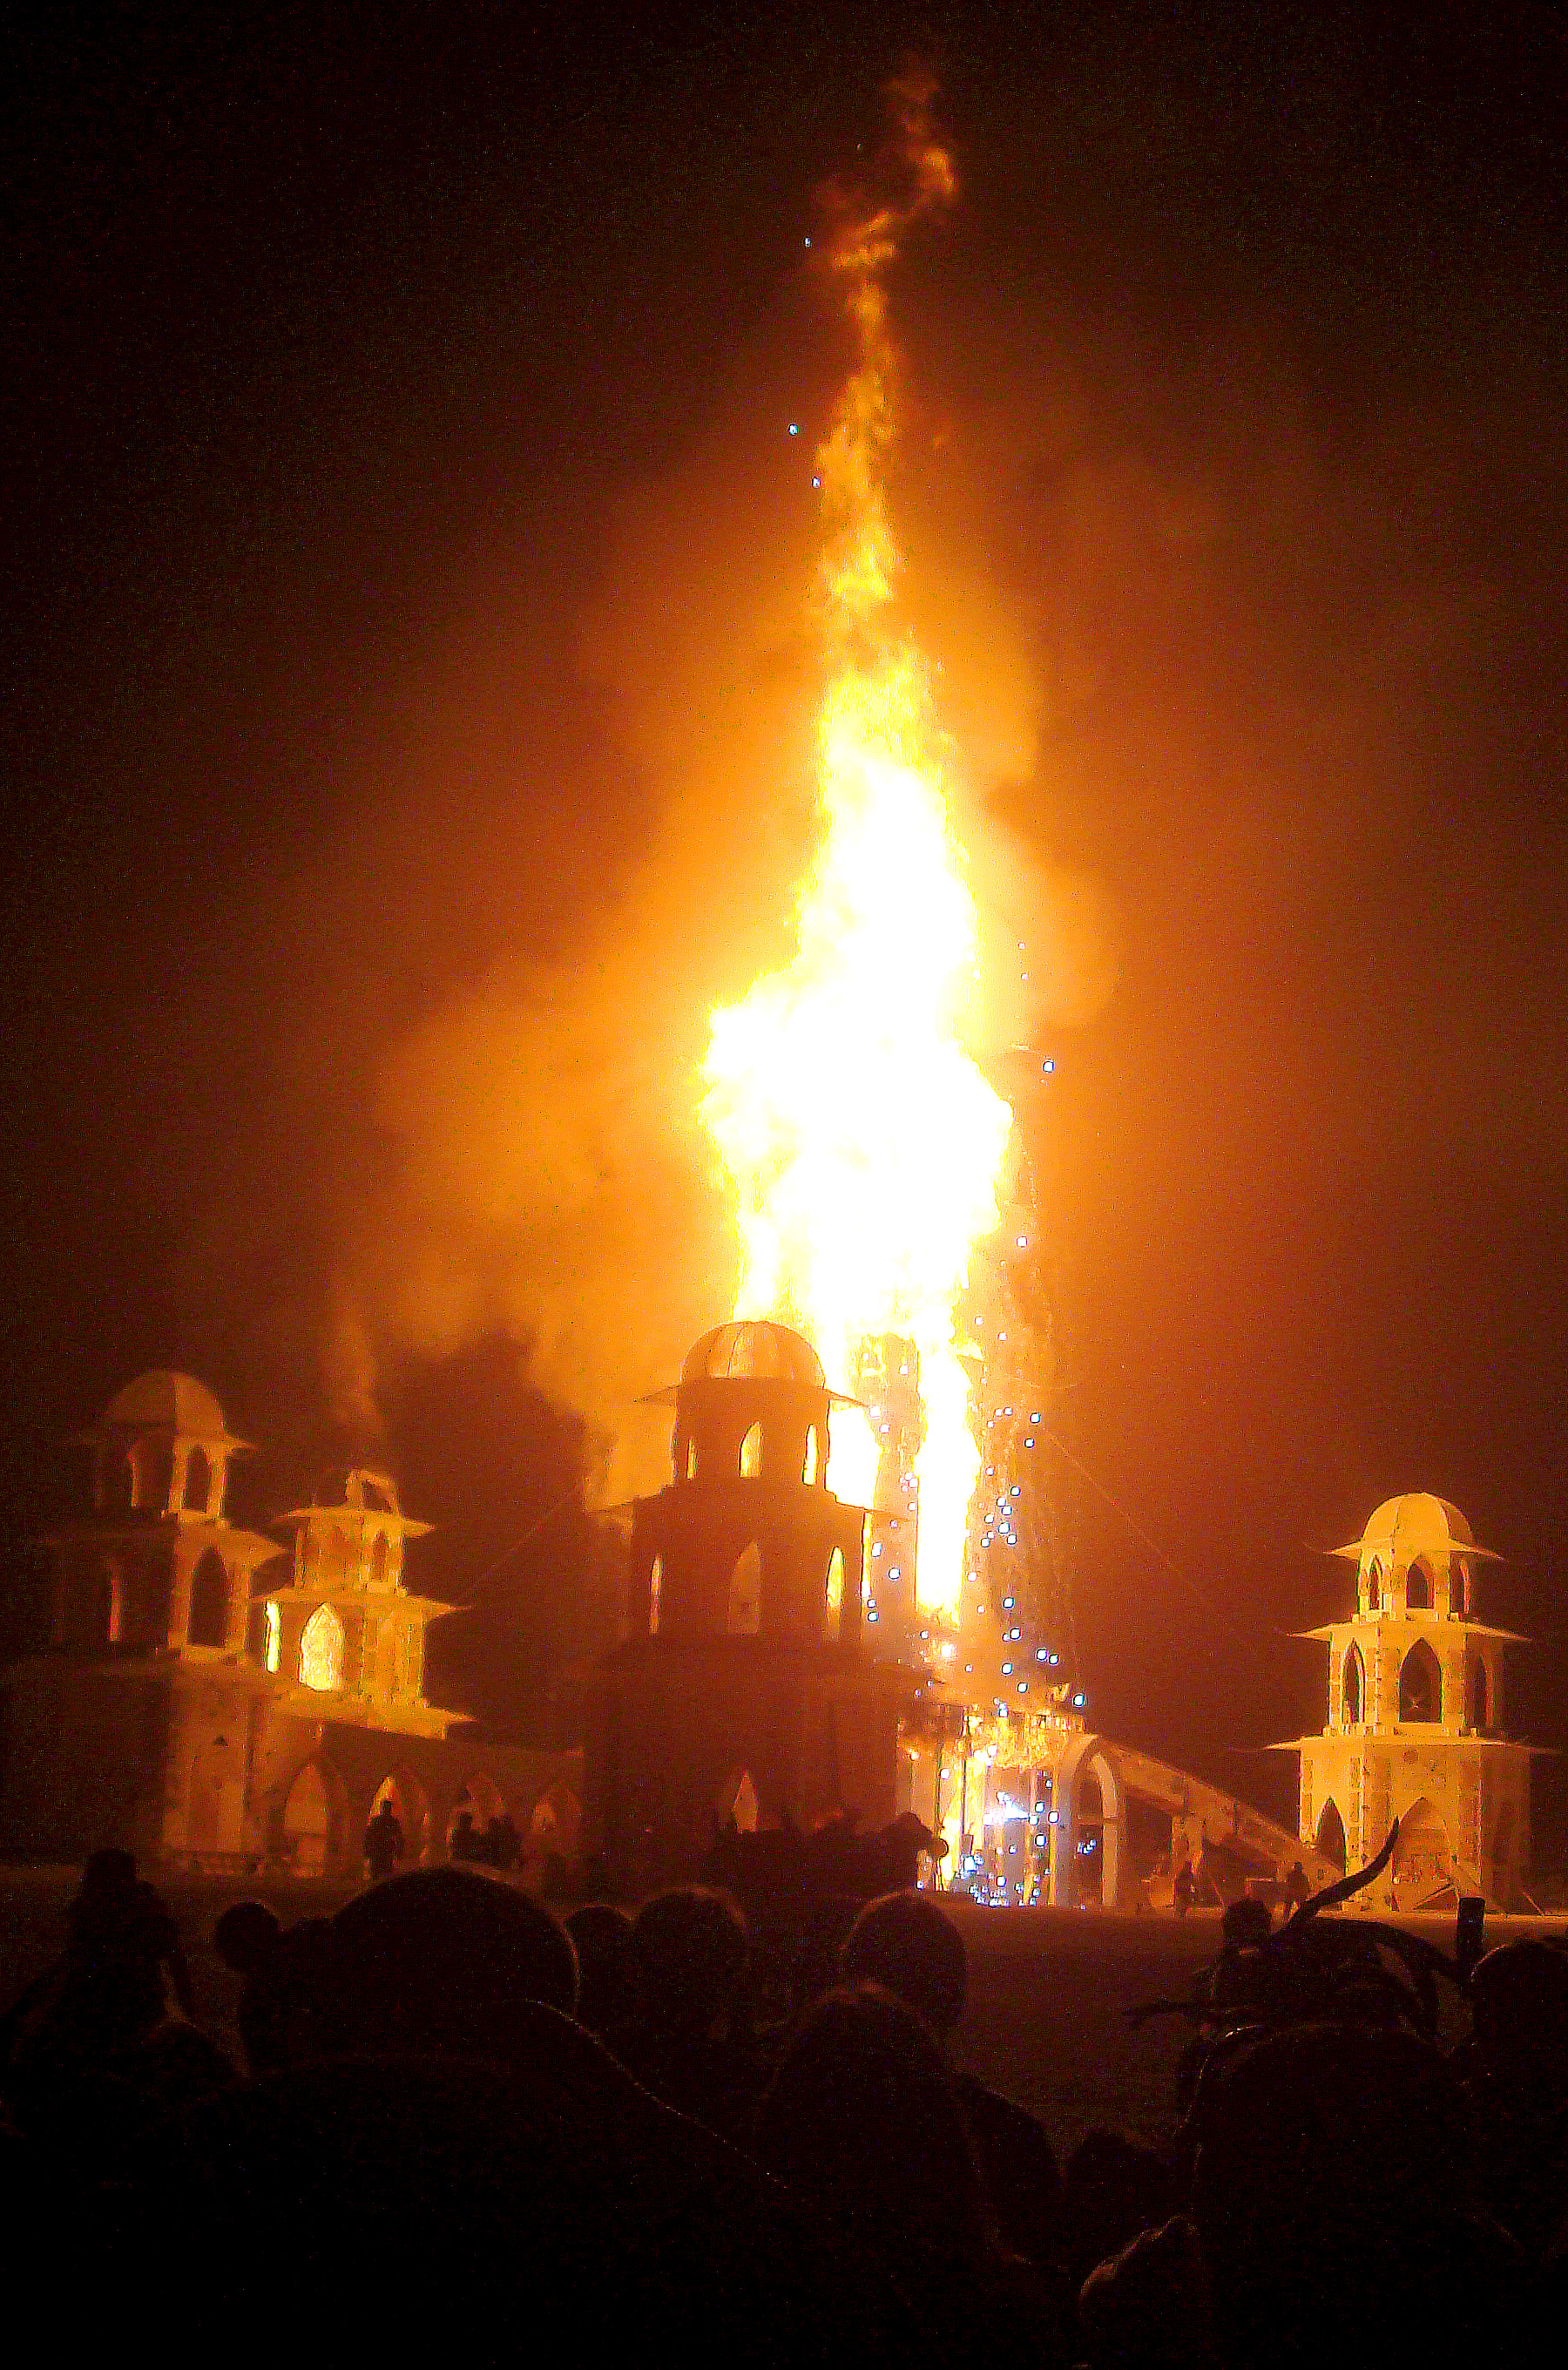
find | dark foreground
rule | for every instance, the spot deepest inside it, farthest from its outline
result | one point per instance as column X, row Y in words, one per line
column 427, row 2118
column 1049, row 1990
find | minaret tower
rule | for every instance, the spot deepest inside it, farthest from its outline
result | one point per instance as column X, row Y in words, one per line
column 347, row 1640
column 1414, row 1725
column 743, row 1690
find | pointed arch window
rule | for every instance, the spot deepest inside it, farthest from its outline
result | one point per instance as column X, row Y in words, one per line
column 833, row 1596
column 655, row 1595
column 1480, row 1705
column 745, row 1615
column 1355, row 1692
column 321, row 1651
column 273, row 1651
column 208, row 1622
column 813, row 1457
column 1420, row 1685
column 1418, row 1589
column 751, row 1454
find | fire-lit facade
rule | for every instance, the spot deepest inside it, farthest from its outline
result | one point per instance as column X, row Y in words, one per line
column 743, row 1689
column 196, row 1698
column 1414, row 1729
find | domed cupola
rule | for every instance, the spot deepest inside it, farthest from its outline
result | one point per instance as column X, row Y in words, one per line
column 162, row 1448
column 748, row 1540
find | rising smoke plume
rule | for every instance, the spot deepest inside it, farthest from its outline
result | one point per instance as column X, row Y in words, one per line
column 546, row 1171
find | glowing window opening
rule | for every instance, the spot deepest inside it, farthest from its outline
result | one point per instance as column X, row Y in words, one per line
column 321, row 1651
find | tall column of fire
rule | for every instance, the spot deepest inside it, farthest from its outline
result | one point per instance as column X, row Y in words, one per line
column 863, row 1143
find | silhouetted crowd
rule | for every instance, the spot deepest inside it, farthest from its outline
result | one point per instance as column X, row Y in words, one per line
column 465, row 2123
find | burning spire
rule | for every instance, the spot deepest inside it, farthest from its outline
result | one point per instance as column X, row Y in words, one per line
column 863, row 1143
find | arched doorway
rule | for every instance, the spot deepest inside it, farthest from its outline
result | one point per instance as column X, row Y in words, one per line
column 556, row 1824
column 480, row 1800
column 736, row 1799
column 745, row 1612
column 1089, row 1858
column 1420, row 1867
column 213, row 1807
column 312, row 1822
column 1331, row 1835
column 208, row 1622
column 1354, row 1688
column 1088, row 1813
column 411, row 1809
column 1420, row 1685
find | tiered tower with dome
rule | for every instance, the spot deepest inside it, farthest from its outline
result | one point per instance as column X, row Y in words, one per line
column 743, row 1689
column 1415, row 1719
column 139, row 1717
column 187, row 1698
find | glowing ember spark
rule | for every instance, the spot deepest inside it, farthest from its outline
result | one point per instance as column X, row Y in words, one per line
column 863, row 1143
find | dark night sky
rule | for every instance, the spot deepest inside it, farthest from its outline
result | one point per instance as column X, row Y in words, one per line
column 402, row 745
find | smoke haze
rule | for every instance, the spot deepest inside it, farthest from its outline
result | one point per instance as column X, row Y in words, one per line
column 411, row 716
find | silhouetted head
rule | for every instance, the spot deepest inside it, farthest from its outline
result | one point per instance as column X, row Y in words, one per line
column 689, row 1953
column 1519, row 1994
column 284, row 1983
column 118, row 1920
column 910, row 1946
column 246, row 1936
column 602, row 1938
column 107, row 1873
column 1247, row 1923
column 109, row 1899
column 438, row 1961
column 862, row 2121
column 1329, row 2167
column 815, row 1968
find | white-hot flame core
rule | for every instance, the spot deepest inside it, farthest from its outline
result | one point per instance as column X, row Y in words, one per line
column 863, row 1143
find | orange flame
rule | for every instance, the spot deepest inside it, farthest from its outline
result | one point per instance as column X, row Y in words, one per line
column 863, row 1143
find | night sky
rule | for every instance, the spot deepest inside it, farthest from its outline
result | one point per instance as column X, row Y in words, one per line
column 406, row 724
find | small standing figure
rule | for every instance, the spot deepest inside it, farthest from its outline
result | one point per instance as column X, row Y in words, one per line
column 1296, row 1889
column 465, row 1843
column 1184, row 1890
column 383, row 1842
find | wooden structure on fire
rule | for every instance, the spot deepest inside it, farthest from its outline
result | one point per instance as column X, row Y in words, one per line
column 743, row 1689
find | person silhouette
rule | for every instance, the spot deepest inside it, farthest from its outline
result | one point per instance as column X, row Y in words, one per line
column 465, row 1842
column 384, row 1841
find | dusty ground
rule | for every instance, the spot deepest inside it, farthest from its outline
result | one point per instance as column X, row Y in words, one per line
column 1049, row 1989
